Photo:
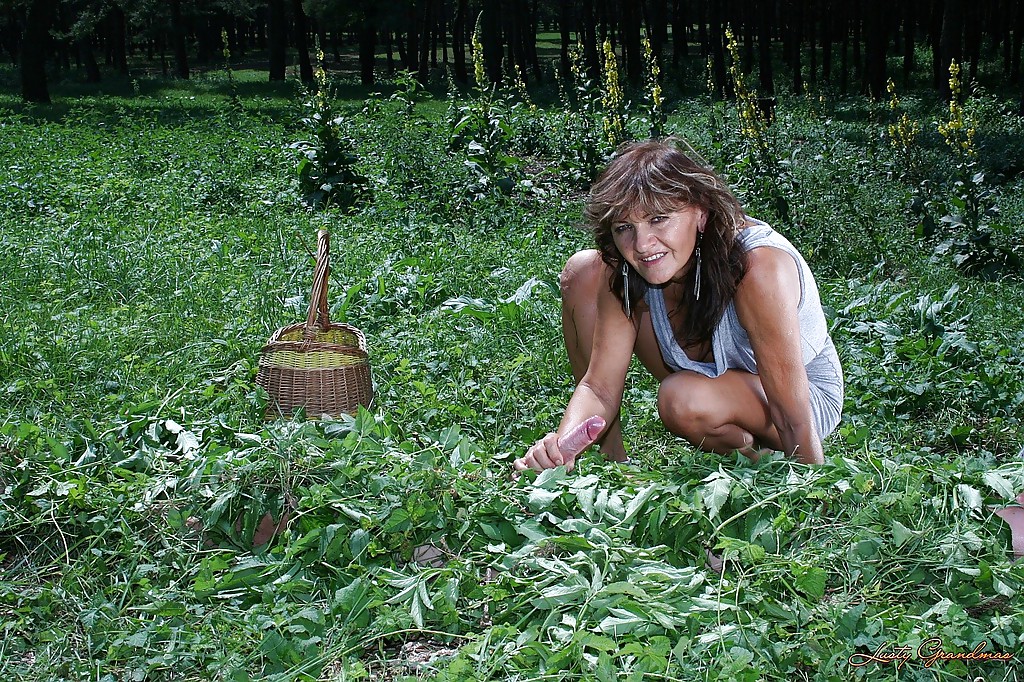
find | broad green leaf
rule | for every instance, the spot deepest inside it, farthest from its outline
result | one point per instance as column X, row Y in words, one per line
column 549, row 478
column 585, row 499
column 810, row 580
column 900, row 533
column 638, row 501
column 969, row 496
column 998, row 483
column 358, row 542
column 715, row 492
column 558, row 595
column 617, row 626
column 540, row 499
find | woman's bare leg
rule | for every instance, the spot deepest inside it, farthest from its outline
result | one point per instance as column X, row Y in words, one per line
column 727, row 413
column 584, row 273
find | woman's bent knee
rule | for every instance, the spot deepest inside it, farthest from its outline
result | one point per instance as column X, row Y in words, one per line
column 680, row 410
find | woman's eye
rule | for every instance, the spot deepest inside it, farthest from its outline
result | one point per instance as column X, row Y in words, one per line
column 622, row 228
column 659, row 218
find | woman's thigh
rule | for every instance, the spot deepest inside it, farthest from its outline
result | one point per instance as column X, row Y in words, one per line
column 699, row 407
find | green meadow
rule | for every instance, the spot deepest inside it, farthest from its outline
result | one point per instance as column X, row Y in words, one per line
column 154, row 234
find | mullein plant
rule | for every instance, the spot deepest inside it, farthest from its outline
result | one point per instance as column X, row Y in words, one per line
column 758, row 163
column 233, row 99
column 482, row 130
column 578, row 142
column 958, row 129
column 973, row 241
column 613, row 100
column 327, row 167
column 903, row 135
column 653, row 92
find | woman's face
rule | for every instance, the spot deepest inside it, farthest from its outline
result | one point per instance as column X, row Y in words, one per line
column 660, row 246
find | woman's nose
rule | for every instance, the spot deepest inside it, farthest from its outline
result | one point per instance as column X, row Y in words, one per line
column 644, row 237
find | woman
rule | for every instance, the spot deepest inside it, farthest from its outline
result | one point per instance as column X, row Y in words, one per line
column 719, row 307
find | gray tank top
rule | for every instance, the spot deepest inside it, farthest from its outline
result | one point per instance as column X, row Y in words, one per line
column 731, row 345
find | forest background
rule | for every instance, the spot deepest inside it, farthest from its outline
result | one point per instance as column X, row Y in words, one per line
column 164, row 168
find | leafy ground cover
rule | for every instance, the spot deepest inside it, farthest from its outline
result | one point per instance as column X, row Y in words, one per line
column 151, row 241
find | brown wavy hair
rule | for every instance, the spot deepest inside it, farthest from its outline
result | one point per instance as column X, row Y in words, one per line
column 655, row 177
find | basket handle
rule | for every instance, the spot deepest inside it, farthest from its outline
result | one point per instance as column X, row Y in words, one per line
column 318, row 311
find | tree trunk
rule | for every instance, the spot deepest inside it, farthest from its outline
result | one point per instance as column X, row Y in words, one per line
column 410, row 49
column 118, row 39
column 590, row 44
column 826, row 42
column 702, row 29
column 658, row 28
column 426, row 40
column 765, row 21
column 278, row 40
column 812, row 74
column 178, row 41
column 389, row 50
column 935, row 42
column 531, row 42
column 909, row 22
column 458, row 43
column 972, row 42
column 858, row 18
column 433, row 20
column 34, row 87
column 875, row 48
column 302, row 42
column 632, row 51
column 680, row 34
column 749, row 29
column 564, row 31
column 797, row 46
column 1018, row 38
column 88, row 59
column 367, row 48
column 1008, row 11
column 951, row 41
column 844, row 65
column 716, row 39
column 490, row 38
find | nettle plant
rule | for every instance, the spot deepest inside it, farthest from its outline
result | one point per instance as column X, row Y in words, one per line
column 327, row 164
column 968, row 231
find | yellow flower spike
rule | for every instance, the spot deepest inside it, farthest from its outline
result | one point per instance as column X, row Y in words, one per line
column 479, row 73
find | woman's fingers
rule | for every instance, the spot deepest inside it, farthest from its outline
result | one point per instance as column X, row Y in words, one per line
column 544, row 454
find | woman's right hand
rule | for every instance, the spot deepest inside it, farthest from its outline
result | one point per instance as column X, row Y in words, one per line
column 544, row 454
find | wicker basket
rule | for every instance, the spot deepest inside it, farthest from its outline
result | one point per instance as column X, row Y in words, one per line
column 315, row 364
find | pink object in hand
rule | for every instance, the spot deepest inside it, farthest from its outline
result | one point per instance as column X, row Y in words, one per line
column 581, row 437
column 1014, row 516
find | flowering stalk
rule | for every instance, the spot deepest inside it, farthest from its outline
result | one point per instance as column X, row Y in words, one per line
column 753, row 125
column 479, row 74
column 958, row 130
column 654, row 94
column 903, row 133
column 612, row 99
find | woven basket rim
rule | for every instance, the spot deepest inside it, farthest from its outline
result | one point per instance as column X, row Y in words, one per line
column 314, row 347
column 302, row 326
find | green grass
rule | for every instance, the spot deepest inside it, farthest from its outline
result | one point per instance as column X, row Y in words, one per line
column 150, row 242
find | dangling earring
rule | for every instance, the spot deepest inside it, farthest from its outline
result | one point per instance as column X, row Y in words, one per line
column 696, row 276
column 625, row 289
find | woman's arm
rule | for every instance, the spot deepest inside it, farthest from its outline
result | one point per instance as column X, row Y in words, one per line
column 600, row 390
column 767, row 301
